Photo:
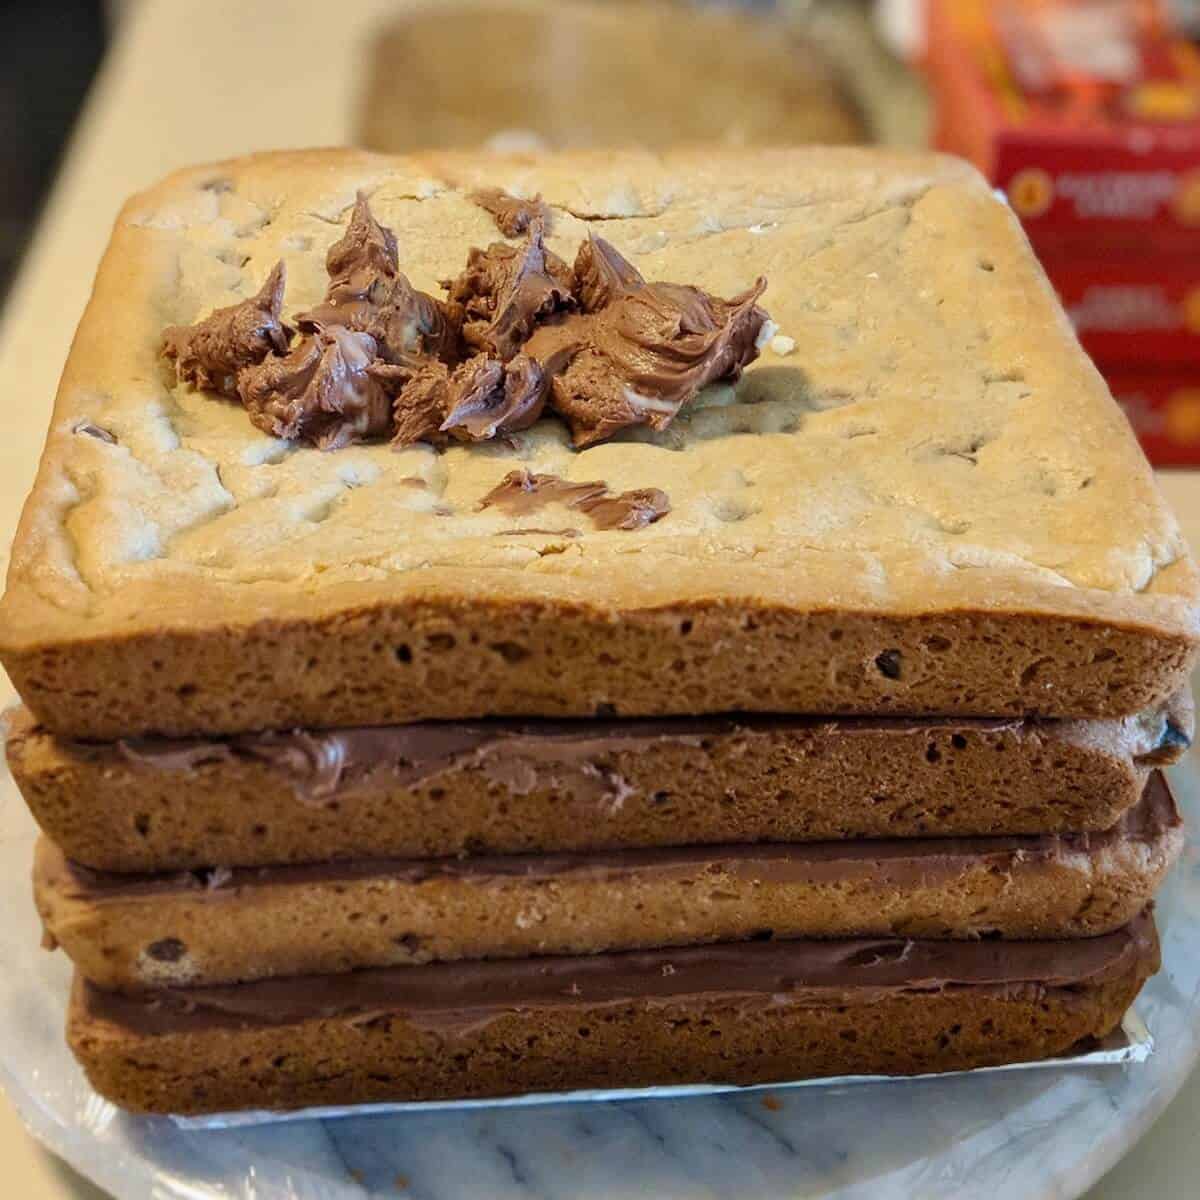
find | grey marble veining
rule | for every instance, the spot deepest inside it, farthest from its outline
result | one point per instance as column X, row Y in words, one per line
column 1046, row 1133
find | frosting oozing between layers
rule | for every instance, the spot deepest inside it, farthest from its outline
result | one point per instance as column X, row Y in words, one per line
column 458, row 997
column 321, row 763
column 1153, row 821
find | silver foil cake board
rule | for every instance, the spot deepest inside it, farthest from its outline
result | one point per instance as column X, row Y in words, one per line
column 1131, row 1042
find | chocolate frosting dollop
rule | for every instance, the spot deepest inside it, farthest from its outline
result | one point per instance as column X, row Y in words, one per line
column 210, row 353
column 519, row 331
column 479, row 399
column 602, row 275
column 369, row 294
column 512, row 214
column 361, row 264
column 506, row 290
column 411, row 322
column 420, row 387
column 638, row 352
column 322, row 391
column 459, row 997
column 488, row 398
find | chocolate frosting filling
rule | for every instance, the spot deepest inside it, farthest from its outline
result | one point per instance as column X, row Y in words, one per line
column 900, row 862
column 450, row 998
column 324, row 763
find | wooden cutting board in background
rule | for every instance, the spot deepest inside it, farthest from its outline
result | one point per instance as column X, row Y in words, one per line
column 572, row 73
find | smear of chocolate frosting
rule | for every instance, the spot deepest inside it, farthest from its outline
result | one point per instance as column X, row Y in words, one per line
column 210, row 353
column 506, row 290
column 638, row 352
column 521, row 492
column 368, row 294
column 460, row 997
column 423, row 750
column 322, row 391
column 634, row 509
column 532, row 531
column 513, row 215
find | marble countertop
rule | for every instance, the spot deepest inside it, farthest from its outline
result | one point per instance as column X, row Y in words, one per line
column 248, row 82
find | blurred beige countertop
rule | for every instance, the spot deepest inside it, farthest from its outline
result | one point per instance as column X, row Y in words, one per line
column 254, row 78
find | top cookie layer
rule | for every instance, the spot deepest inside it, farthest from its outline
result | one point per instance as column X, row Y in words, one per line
column 922, row 438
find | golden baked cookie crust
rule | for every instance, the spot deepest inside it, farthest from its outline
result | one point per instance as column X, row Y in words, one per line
column 929, row 504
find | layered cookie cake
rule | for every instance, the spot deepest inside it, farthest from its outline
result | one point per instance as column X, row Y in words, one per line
column 492, row 625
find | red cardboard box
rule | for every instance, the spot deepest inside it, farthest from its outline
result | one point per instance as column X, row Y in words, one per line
column 1086, row 112
column 1130, row 309
column 1164, row 411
